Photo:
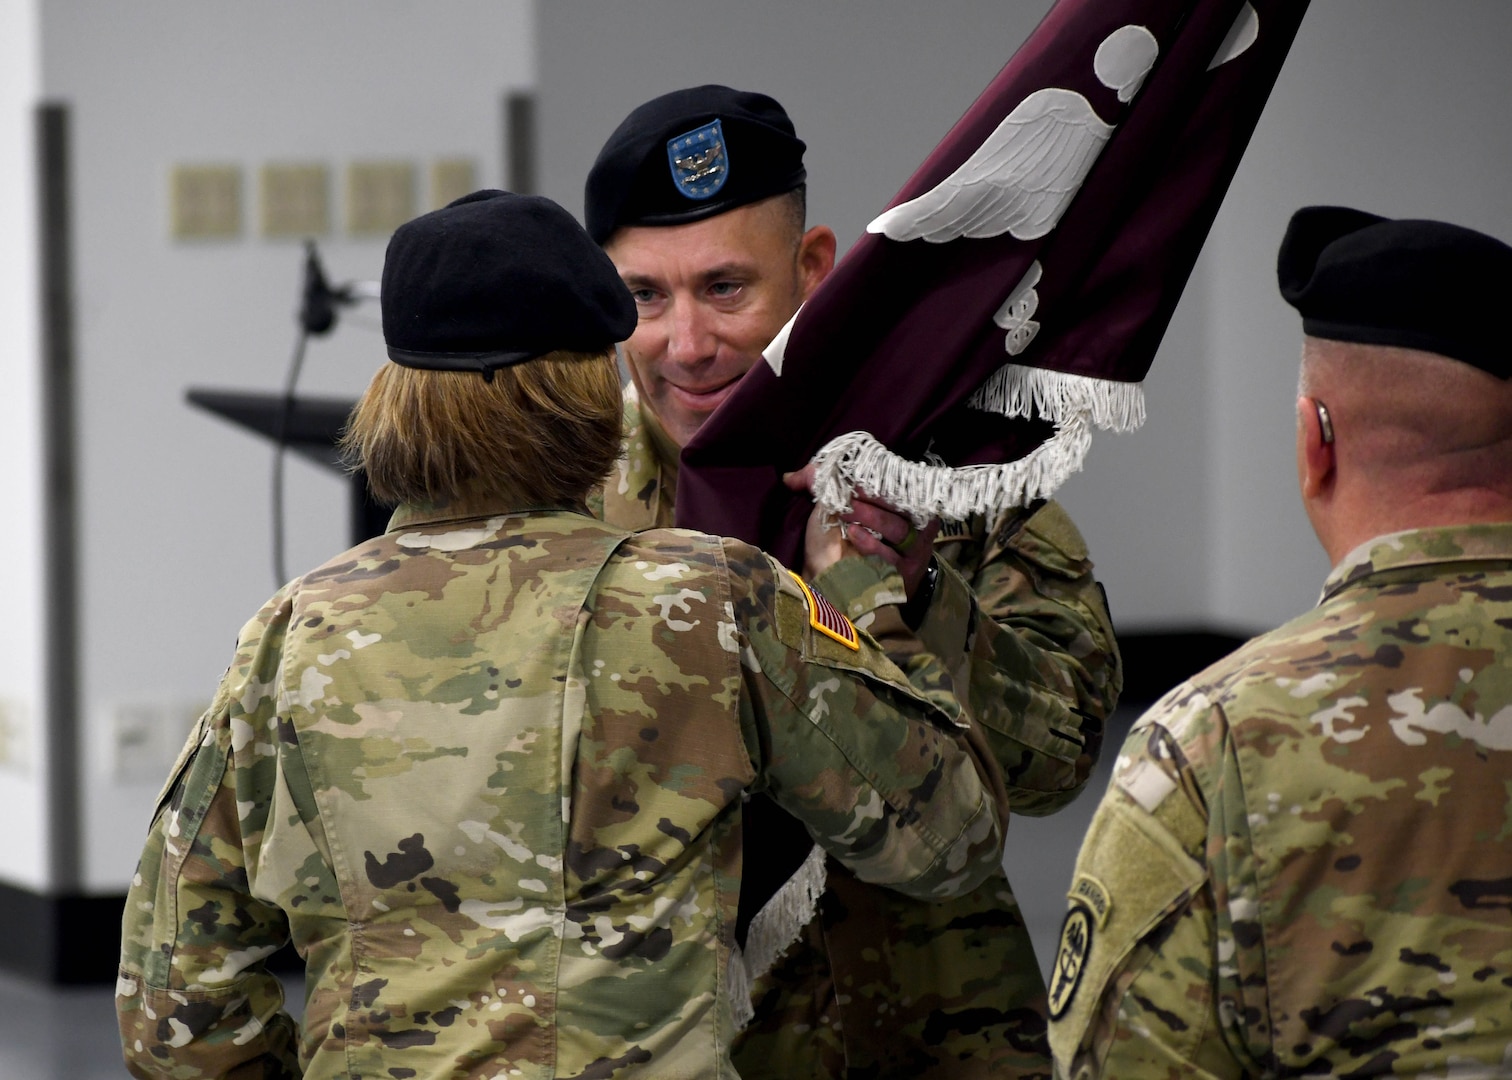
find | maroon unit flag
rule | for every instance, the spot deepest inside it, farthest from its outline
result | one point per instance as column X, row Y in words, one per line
column 1012, row 296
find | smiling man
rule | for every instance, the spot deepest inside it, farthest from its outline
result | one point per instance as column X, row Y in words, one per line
column 716, row 255
column 708, row 293
column 698, row 198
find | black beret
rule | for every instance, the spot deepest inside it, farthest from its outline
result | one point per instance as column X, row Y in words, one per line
column 495, row 279
column 1423, row 285
column 692, row 154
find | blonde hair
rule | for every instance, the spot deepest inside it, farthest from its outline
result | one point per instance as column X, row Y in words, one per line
column 541, row 433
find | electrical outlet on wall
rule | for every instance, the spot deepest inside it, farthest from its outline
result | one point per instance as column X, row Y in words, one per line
column 15, row 737
column 145, row 737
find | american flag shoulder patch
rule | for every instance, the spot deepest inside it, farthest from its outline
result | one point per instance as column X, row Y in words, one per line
column 825, row 618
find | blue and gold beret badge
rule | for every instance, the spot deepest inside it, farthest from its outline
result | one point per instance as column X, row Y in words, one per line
column 699, row 162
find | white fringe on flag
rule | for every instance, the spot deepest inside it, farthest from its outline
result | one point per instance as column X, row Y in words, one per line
column 1017, row 390
column 1074, row 403
column 738, row 989
column 773, row 931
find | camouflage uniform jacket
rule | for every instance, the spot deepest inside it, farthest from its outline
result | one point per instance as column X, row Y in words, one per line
column 486, row 771
column 1303, row 865
column 881, row 985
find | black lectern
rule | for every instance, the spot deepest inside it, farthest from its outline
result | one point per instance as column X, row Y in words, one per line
column 312, row 428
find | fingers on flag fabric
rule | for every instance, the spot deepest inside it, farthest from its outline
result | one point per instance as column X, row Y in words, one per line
column 1012, row 296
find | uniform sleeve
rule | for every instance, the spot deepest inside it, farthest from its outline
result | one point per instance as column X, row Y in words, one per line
column 878, row 768
column 1140, row 966
column 1044, row 670
column 193, row 998
column 1025, row 633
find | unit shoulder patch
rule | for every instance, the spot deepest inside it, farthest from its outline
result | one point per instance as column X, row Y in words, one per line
column 1070, row 958
column 826, row 618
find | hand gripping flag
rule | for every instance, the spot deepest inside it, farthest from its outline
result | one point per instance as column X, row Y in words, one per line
column 1008, row 301
column 1013, row 295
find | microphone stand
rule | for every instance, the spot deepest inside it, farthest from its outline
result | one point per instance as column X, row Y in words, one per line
column 319, row 305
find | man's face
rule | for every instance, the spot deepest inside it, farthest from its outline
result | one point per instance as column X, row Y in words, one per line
column 711, row 295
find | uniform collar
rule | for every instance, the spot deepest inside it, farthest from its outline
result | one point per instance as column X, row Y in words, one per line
column 467, row 507
column 640, row 492
column 1421, row 547
column 668, row 454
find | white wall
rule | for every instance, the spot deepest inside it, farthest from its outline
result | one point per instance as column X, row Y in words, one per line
column 1393, row 105
column 175, row 535
column 871, row 85
column 23, row 837
column 1144, row 499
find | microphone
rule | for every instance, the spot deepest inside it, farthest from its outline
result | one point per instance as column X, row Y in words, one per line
column 317, row 309
column 317, row 315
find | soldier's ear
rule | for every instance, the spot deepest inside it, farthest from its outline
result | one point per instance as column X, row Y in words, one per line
column 1316, row 461
column 816, row 257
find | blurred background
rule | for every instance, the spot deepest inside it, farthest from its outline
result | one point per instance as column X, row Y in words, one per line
column 162, row 164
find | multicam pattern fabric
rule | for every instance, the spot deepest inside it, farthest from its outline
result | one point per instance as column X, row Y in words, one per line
column 1303, row 866
column 879, row 985
column 486, row 772
column 641, row 492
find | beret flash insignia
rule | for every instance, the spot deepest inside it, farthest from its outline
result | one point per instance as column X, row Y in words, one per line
column 700, row 164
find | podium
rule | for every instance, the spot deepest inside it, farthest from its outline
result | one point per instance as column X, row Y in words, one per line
column 312, row 428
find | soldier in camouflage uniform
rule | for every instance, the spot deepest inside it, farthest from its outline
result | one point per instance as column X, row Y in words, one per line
column 878, row 985
column 1302, row 866
column 485, row 771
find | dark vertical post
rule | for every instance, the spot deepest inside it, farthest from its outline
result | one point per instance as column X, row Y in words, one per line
column 520, row 142
column 60, row 522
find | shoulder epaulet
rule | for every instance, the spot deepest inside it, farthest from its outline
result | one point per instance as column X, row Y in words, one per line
column 1054, row 526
